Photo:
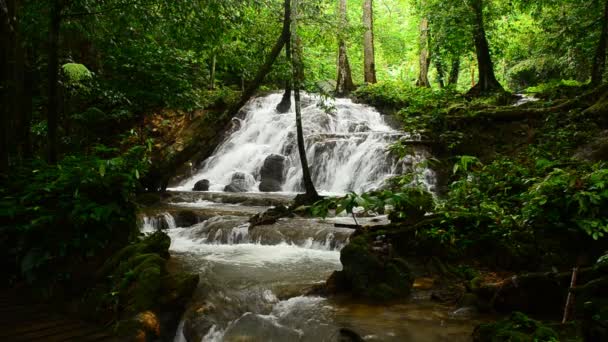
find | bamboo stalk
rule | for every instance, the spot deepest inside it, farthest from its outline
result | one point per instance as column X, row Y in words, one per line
column 570, row 299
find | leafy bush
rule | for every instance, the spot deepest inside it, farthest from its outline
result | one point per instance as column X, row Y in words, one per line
column 59, row 218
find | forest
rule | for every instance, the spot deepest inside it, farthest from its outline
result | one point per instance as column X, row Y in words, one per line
column 304, row 170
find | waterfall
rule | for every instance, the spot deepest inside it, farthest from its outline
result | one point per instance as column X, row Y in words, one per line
column 162, row 221
column 347, row 147
column 235, row 230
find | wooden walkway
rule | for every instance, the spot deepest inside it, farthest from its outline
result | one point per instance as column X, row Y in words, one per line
column 20, row 322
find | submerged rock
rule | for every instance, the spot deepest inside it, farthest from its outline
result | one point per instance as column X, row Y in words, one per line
column 252, row 327
column 272, row 173
column 201, row 185
column 240, row 182
column 368, row 274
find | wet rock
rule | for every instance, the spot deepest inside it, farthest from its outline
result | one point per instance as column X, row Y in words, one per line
column 272, row 173
column 186, row 218
column 240, row 182
column 534, row 293
column 201, row 185
column 366, row 274
column 465, row 312
column 197, row 322
column 252, row 327
column 518, row 327
column 270, row 216
column 348, row 335
column 152, row 299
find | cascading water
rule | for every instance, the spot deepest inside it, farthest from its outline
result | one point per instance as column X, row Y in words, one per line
column 346, row 147
column 253, row 279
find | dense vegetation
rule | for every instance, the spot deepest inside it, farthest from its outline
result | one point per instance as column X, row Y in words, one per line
column 92, row 93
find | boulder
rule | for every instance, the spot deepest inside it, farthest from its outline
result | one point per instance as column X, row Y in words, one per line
column 240, row 182
column 197, row 322
column 533, row 293
column 201, row 185
column 272, row 173
column 371, row 275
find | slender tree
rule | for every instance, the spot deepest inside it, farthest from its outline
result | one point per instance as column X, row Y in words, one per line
column 454, row 71
column 298, row 75
column 487, row 81
column 345, row 80
column 369, row 61
column 425, row 54
column 53, row 77
column 599, row 61
column 285, row 104
column 440, row 73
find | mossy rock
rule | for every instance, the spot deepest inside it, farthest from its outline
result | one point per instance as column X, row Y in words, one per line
column 369, row 275
column 517, row 328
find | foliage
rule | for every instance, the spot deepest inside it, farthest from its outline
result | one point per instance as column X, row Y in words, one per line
column 61, row 217
column 518, row 327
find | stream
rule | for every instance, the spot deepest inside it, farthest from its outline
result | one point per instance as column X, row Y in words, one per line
column 253, row 281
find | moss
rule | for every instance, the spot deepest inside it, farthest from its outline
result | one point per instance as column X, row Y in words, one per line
column 517, row 328
column 370, row 275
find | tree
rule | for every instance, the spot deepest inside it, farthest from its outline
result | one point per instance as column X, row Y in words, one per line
column 311, row 194
column 425, row 54
column 345, row 80
column 599, row 62
column 285, row 104
column 454, row 71
column 369, row 72
column 487, row 81
column 53, row 77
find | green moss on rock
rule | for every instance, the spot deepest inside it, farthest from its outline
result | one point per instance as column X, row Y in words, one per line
column 368, row 274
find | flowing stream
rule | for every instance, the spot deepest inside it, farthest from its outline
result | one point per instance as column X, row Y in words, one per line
column 253, row 281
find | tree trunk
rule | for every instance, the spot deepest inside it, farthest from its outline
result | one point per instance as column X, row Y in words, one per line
column 454, row 71
column 212, row 73
column 6, row 32
column 298, row 75
column 599, row 62
column 487, row 79
column 53, row 85
column 369, row 61
column 425, row 55
column 345, row 79
column 440, row 73
column 285, row 104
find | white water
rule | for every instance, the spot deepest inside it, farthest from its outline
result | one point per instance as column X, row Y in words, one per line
column 346, row 147
column 159, row 222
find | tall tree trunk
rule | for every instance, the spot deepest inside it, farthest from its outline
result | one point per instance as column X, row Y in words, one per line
column 454, row 71
column 369, row 59
column 425, row 55
column 345, row 79
column 298, row 76
column 53, row 86
column 440, row 73
column 212, row 73
column 487, row 79
column 285, row 104
column 6, row 48
column 599, row 62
